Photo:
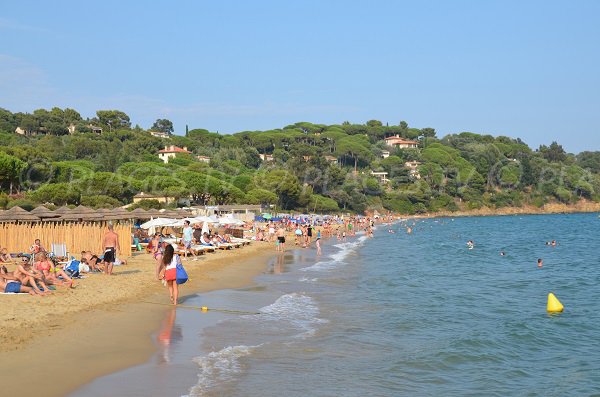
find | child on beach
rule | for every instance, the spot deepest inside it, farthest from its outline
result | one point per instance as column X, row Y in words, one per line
column 169, row 265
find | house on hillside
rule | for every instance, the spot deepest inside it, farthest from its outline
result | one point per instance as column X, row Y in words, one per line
column 171, row 152
column 332, row 160
column 413, row 169
column 146, row 196
column 401, row 143
column 203, row 159
column 382, row 176
column 385, row 154
column 266, row 157
column 160, row 134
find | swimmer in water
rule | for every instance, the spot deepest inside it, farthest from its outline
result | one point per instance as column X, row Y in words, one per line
column 553, row 243
column 470, row 244
column 540, row 262
column 502, row 253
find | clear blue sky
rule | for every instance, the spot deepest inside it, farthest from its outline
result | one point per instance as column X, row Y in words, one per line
column 528, row 69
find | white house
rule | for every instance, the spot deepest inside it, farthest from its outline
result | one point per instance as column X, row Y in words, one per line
column 204, row 159
column 171, row 152
column 160, row 134
column 381, row 176
column 266, row 157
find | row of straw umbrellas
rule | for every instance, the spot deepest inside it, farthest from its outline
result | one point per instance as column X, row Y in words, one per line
column 85, row 214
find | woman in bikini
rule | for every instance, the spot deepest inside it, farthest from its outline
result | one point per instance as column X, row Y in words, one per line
column 50, row 272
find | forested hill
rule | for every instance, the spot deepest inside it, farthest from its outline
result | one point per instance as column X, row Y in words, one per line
column 56, row 157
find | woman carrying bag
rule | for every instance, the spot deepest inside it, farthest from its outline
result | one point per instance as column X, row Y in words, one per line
column 174, row 273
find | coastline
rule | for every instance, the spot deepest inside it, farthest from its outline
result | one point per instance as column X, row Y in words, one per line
column 107, row 327
column 553, row 208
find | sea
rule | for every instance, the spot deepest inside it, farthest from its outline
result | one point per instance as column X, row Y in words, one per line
column 396, row 314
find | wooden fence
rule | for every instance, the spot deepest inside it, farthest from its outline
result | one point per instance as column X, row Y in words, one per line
column 81, row 236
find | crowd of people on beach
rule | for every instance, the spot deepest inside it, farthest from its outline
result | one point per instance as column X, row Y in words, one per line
column 40, row 271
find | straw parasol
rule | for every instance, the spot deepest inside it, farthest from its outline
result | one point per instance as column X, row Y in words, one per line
column 62, row 210
column 117, row 214
column 140, row 213
column 43, row 212
column 81, row 213
column 18, row 214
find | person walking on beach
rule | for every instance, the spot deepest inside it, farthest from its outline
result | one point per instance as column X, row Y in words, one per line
column 188, row 236
column 169, row 264
column 110, row 242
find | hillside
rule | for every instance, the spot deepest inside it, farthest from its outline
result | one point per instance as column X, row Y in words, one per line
column 56, row 157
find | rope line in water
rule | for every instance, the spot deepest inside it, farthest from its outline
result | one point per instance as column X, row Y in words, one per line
column 204, row 308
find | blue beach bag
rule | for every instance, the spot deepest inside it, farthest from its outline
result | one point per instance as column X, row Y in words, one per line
column 181, row 275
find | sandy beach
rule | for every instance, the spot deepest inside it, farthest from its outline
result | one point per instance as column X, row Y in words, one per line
column 103, row 325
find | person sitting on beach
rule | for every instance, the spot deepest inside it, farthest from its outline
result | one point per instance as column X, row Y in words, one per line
column 205, row 240
column 8, row 284
column 37, row 247
column 27, row 276
column 5, row 256
column 50, row 272
column 197, row 233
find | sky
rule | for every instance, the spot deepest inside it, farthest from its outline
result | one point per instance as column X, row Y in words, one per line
column 527, row 69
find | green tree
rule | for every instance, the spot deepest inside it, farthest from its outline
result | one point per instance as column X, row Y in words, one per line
column 163, row 125
column 10, row 171
column 113, row 119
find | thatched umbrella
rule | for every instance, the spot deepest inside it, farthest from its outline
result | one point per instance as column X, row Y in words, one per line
column 140, row 213
column 153, row 213
column 118, row 214
column 171, row 214
column 18, row 214
column 62, row 210
column 81, row 213
column 43, row 212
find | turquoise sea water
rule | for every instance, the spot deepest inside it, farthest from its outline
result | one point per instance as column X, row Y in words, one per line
column 400, row 315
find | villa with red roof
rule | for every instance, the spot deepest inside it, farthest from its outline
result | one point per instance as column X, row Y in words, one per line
column 399, row 142
column 171, row 152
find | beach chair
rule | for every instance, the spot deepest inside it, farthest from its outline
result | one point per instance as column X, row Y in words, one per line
column 59, row 252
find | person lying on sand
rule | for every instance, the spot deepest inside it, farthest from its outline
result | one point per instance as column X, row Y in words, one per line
column 9, row 285
column 51, row 273
column 91, row 260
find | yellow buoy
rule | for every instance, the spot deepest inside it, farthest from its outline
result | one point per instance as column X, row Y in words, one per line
column 204, row 309
column 554, row 305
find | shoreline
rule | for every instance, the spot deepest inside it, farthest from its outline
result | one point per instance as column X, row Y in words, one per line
column 108, row 327
column 547, row 209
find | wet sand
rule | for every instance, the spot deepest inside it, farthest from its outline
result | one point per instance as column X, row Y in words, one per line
column 67, row 339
